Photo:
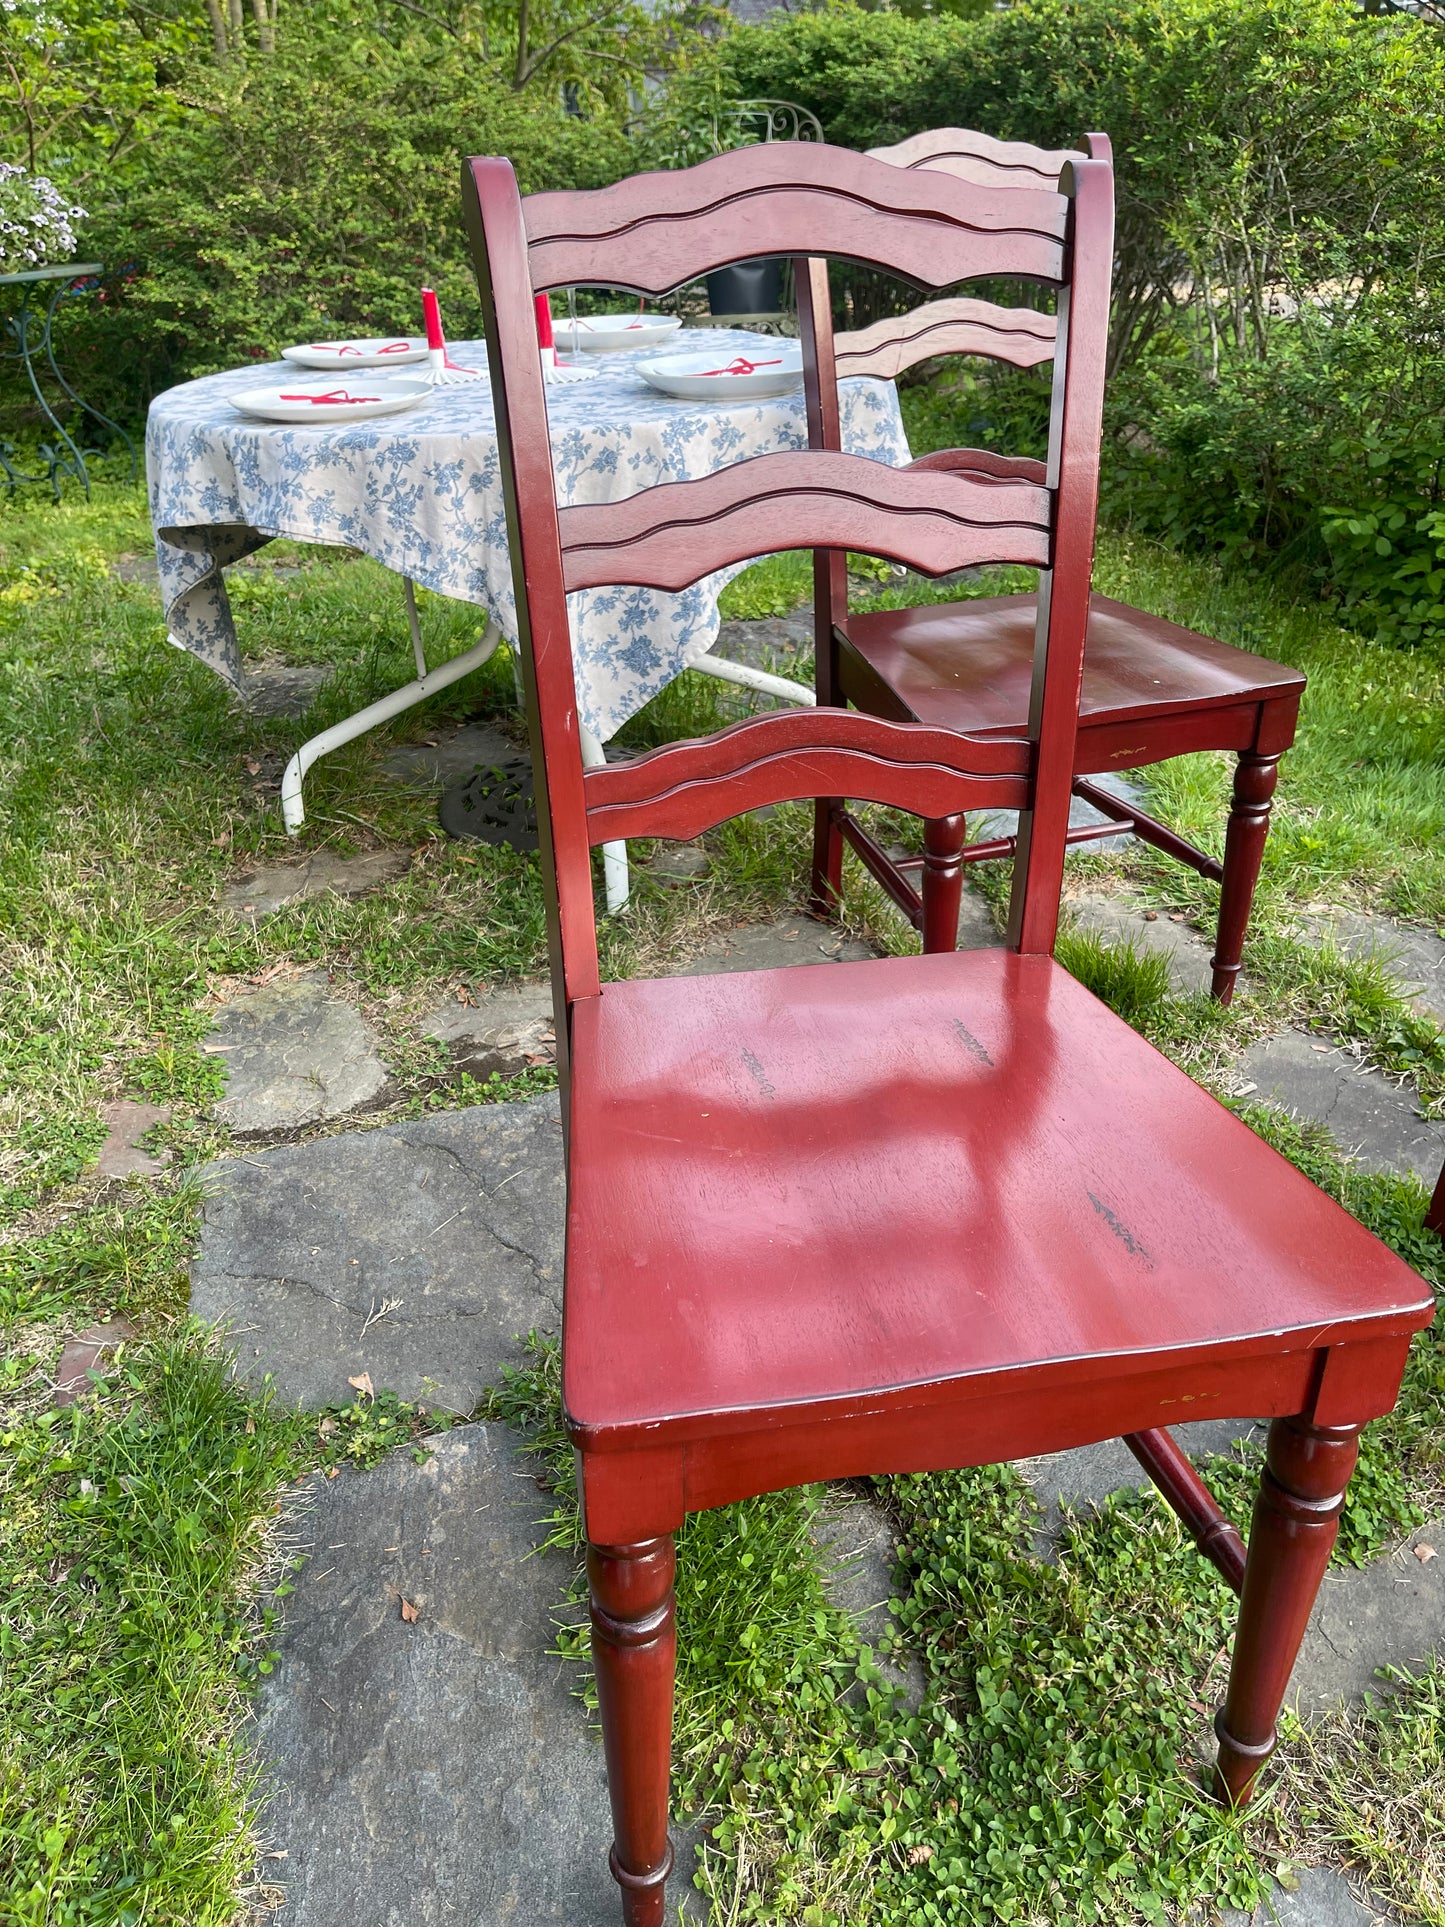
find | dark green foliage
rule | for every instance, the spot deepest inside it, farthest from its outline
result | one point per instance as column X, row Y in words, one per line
column 309, row 198
column 1278, row 357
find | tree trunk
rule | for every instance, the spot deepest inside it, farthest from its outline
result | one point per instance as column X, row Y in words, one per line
column 265, row 31
column 218, row 32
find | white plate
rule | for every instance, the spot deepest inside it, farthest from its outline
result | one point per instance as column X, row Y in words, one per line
column 614, row 331
column 350, row 399
column 384, row 351
column 772, row 367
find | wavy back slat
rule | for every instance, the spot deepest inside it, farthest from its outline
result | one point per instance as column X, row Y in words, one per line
column 668, row 536
column 960, row 326
column 654, row 232
column 685, row 788
column 971, row 156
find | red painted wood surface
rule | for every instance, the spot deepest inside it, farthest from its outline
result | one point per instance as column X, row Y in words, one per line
column 668, row 536
column 1021, row 336
column 656, row 231
column 1435, row 1215
column 923, row 1211
column 684, row 788
column 740, row 1143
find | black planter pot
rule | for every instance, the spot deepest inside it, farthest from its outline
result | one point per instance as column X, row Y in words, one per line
column 747, row 287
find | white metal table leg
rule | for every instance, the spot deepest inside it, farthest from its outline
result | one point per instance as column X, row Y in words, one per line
column 426, row 684
column 759, row 679
column 614, row 855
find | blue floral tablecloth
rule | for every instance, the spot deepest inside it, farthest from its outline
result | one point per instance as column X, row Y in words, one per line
column 421, row 492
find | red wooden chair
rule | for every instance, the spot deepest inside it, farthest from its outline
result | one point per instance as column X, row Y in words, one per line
column 862, row 1218
column 1151, row 690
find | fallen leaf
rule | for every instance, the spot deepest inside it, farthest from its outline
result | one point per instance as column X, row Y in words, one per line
column 220, row 842
column 250, row 1428
column 1425, row 1553
column 409, row 1612
column 253, row 768
column 1321, row 1047
column 917, row 1855
column 326, row 1427
column 332, row 1471
column 362, row 1383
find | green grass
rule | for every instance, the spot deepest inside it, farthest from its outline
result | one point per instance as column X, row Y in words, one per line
column 1048, row 1775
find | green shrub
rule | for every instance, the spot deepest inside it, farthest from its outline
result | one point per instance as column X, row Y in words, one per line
column 311, row 198
column 1278, row 350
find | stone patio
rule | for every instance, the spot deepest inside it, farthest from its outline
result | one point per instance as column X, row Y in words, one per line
column 434, row 1767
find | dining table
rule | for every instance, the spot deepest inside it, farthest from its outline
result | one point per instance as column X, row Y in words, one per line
column 421, row 493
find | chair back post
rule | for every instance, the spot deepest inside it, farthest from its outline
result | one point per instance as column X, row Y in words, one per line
column 820, row 393
column 1075, row 433
column 492, row 206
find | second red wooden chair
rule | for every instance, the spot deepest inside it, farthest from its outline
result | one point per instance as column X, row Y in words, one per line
column 1151, row 689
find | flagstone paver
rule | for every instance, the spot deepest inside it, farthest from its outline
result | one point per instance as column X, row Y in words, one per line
column 1320, row 1898
column 282, row 688
column 414, row 1252
column 126, row 1122
column 293, row 1056
column 1369, row 1117
column 1415, row 957
column 450, row 754
column 503, row 1031
column 436, row 1773
column 1129, row 919
column 274, row 885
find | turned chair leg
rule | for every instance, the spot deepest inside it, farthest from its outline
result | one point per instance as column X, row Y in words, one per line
column 1254, row 781
column 825, row 888
column 634, row 1650
column 943, row 841
column 1435, row 1216
column 1296, row 1518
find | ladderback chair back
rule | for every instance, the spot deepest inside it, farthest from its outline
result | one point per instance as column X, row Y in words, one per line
column 1151, row 689
column 650, row 234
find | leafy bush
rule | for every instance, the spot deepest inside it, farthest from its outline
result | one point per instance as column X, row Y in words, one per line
column 1278, row 351
column 313, row 198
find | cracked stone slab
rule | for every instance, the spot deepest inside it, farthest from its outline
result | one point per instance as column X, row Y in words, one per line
column 449, row 755
column 1368, row 1116
column 1389, row 1613
column 274, row 885
column 1121, row 919
column 504, row 1031
column 1413, row 956
column 438, row 1773
column 416, row 1252
column 293, row 1056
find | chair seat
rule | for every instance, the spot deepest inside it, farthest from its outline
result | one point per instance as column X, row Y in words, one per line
column 968, row 665
column 805, row 1184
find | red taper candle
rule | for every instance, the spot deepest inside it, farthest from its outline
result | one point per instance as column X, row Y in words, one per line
column 434, row 336
column 543, row 304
